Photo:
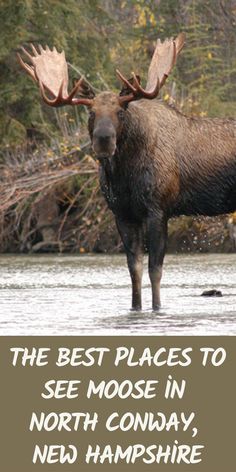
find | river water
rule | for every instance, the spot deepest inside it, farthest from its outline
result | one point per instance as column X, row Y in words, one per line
column 90, row 294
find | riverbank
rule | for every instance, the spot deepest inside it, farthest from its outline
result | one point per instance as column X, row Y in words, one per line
column 51, row 202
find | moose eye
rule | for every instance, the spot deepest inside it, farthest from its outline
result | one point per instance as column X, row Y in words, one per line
column 121, row 114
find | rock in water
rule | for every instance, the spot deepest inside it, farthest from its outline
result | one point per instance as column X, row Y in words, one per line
column 212, row 293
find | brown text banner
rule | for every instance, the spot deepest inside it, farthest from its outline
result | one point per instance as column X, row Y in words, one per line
column 117, row 404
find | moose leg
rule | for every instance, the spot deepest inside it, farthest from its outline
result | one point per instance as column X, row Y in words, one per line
column 132, row 238
column 157, row 237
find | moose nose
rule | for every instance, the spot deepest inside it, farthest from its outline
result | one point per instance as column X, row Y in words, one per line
column 104, row 135
column 104, row 138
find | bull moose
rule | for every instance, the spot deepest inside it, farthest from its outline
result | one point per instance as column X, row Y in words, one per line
column 155, row 162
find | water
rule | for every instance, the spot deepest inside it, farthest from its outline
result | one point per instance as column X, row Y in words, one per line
column 90, row 294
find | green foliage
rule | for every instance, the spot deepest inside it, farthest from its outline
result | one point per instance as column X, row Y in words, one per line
column 205, row 75
column 100, row 35
column 72, row 26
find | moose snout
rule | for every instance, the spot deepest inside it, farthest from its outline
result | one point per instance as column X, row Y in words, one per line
column 104, row 141
column 104, row 136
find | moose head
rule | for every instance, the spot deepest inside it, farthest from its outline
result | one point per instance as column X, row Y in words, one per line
column 48, row 68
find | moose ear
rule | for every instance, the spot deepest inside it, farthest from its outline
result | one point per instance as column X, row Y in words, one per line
column 125, row 89
column 85, row 90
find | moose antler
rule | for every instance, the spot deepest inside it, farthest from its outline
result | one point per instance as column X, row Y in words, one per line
column 163, row 60
column 136, row 89
column 49, row 69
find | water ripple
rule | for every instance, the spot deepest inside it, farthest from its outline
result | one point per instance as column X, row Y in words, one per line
column 90, row 294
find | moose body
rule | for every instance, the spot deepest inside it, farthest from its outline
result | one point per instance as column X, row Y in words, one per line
column 167, row 162
column 155, row 163
column 166, row 165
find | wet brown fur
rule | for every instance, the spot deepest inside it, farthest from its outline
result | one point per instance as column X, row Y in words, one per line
column 186, row 155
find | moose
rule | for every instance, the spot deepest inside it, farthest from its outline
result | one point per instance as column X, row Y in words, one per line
column 154, row 162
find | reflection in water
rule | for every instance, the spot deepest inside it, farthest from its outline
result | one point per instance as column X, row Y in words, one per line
column 90, row 294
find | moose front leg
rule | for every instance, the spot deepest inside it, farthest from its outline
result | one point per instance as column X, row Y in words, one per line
column 157, row 238
column 132, row 238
